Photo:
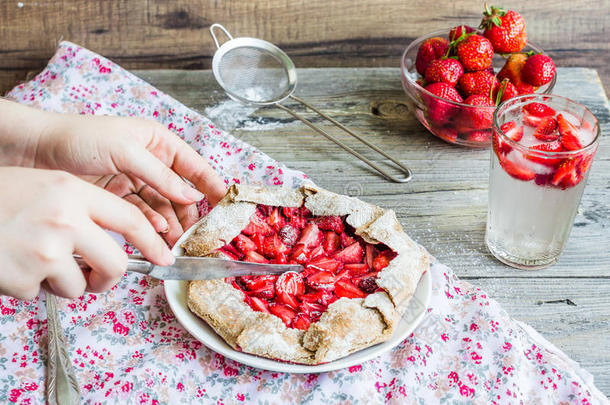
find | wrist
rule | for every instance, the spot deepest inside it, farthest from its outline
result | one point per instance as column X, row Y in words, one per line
column 21, row 128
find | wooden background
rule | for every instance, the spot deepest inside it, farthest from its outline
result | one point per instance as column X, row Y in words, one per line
column 152, row 34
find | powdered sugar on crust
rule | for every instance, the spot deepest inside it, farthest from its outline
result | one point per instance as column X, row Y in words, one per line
column 347, row 325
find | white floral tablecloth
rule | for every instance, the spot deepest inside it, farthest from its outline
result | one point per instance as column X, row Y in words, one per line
column 127, row 346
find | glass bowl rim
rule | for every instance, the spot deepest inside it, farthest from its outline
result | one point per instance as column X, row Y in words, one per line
column 536, row 152
column 443, row 33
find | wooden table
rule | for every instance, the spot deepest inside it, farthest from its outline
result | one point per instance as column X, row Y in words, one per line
column 444, row 207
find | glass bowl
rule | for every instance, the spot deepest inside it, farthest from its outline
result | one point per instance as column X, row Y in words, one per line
column 455, row 126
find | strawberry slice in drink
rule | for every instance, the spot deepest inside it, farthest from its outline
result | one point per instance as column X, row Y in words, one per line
column 542, row 157
column 539, row 110
column 512, row 131
column 547, row 130
column 567, row 174
column 516, row 170
column 569, row 134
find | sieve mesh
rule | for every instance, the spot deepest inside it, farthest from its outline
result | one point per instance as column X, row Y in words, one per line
column 254, row 74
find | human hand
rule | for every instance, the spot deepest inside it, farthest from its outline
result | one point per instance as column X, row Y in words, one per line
column 46, row 216
column 136, row 159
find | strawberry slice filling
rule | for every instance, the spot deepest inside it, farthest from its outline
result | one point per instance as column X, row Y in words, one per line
column 337, row 263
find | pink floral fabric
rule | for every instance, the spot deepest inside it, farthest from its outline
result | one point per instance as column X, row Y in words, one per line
column 127, row 346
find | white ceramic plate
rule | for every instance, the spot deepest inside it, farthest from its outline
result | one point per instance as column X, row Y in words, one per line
column 176, row 292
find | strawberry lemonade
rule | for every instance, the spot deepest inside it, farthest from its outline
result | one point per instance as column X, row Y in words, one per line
column 543, row 147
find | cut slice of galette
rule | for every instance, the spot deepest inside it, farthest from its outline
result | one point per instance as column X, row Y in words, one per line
column 360, row 272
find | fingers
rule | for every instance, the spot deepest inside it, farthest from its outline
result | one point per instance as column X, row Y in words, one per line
column 157, row 220
column 107, row 260
column 113, row 213
column 188, row 215
column 66, row 279
column 190, row 165
column 164, row 207
column 144, row 165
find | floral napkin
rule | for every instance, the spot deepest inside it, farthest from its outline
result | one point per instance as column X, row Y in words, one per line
column 127, row 346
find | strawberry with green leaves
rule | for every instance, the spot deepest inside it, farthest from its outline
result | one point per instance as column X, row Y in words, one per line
column 506, row 91
column 475, row 52
column 457, row 32
column 505, row 29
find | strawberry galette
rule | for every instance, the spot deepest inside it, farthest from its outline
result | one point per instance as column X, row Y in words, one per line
column 360, row 272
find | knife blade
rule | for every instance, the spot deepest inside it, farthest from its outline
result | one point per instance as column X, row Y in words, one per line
column 201, row 268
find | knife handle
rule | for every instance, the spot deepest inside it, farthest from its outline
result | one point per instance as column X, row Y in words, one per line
column 134, row 263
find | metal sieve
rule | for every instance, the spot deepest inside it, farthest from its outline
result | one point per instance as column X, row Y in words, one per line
column 256, row 72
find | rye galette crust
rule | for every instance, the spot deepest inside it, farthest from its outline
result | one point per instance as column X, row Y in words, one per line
column 347, row 325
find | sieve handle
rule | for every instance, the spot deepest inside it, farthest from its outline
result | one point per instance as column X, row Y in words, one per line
column 404, row 169
column 223, row 29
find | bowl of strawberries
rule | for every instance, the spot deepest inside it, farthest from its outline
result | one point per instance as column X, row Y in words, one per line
column 455, row 78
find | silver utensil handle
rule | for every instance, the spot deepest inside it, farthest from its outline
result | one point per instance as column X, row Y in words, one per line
column 223, row 29
column 134, row 263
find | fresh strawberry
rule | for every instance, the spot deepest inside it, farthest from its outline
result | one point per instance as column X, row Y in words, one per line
column 480, row 116
column 254, row 257
column 273, row 246
column 321, row 280
column 356, row 269
column 440, row 111
column 568, row 132
column 258, row 304
column 301, row 321
column 542, row 158
column 283, row 312
column 289, row 234
column 346, row 240
column 538, row 70
column 517, row 170
column 538, row 110
column 311, row 236
column 512, row 70
column 566, row 175
column 475, row 53
column 479, row 136
column 445, row 71
column 332, row 242
column 512, row 130
column 330, row 223
column 446, row 133
column 547, row 129
column 480, row 83
column 457, row 32
column 257, row 225
column 344, row 288
column 505, row 29
column 351, row 254
column 290, row 283
column 431, row 49
column 383, row 260
column 325, row 263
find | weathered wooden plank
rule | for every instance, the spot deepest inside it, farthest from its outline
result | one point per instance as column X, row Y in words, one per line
column 162, row 34
column 582, row 330
column 444, row 207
